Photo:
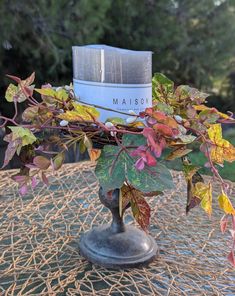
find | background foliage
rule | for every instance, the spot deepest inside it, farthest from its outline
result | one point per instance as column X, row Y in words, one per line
column 193, row 41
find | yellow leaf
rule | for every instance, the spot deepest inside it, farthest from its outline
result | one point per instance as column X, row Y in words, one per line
column 225, row 204
column 204, row 193
column 222, row 150
column 94, row 154
column 24, row 133
column 137, row 124
column 203, row 107
column 80, row 113
column 50, row 92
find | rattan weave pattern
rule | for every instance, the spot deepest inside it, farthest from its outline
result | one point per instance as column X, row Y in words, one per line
column 39, row 235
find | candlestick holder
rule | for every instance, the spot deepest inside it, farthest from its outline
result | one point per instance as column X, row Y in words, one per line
column 117, row 245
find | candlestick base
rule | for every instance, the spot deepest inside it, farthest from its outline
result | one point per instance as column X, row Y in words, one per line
column 131, row 248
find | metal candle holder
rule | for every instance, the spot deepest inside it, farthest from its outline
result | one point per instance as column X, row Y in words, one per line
column 117, row 245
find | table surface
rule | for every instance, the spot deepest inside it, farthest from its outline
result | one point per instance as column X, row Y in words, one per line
column 39, row 242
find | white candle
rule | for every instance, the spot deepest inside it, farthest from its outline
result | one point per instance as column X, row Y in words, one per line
column 111, row 77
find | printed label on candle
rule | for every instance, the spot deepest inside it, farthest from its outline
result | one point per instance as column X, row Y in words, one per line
column 120, row 97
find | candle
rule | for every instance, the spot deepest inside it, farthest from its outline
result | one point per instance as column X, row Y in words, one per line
column 114, row 78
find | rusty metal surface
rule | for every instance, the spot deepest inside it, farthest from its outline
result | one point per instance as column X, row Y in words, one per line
column 39, row 235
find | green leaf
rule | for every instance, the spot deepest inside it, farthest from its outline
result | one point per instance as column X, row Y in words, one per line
column 115, row 166
column 166, row 108
column 14, row 92
column 58, row 160
column 11, row 92
column 23, row 133
column 115, row 120
column 134, row 140
column 110, row 172
column 160, row 79
column 150, row 179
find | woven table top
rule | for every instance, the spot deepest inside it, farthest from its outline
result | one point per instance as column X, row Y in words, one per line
column 39, row 242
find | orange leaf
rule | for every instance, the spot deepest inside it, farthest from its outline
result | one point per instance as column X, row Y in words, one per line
column 94, row 154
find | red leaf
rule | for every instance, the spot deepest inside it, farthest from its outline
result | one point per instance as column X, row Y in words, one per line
column 11, row 150
column 141, row 211
column 224, row 224
column 151, row 161
column 231, row 258
column 163, row 129
column 23, row 190
column 15, row 78
column 44, row 179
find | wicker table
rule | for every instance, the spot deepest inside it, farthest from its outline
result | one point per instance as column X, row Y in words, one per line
column 39, row 235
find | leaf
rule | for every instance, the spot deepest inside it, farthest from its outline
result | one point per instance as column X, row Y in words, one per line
column 30, row 113
column 163, row 129
column 225, row 204
column 124, row 198
column 24, row 134
column 150, row 179
column 44, row 179
column 164, row 107
column 140, row 209
column 62, row 95
column 110, row 173
column 80, row 113
column 81, row 146
column 58, row 161
column 186, row 139
column 134, row 140
column 189, row 170
column 49, row 92
column 115, row 120
column 87, row 142
column 11, row 150
column 177, row 153
column 185, row 91
column 162, row 87
column 115, row 166
column 224, row 224
column 221, row 149
column 94, row 154
column 203, row 107
column 231, row 258
column 11, row 92
column 41, row 162
column 204, row 193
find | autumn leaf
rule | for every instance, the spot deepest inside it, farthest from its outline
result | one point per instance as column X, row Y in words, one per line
column 225, row 204
column 12, row 148
column 48, row 92
column 179, row 152
column 221, row 149
column 139, row 206
column 22, row 91
column 204, row 193
column 94, row 154
column 124, row 198
column 24, row 134
column 41, row 162
column 203, row 108
column 58, row 161
column 80, row 113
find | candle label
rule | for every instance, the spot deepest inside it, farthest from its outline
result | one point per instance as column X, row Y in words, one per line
column 120, row 97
